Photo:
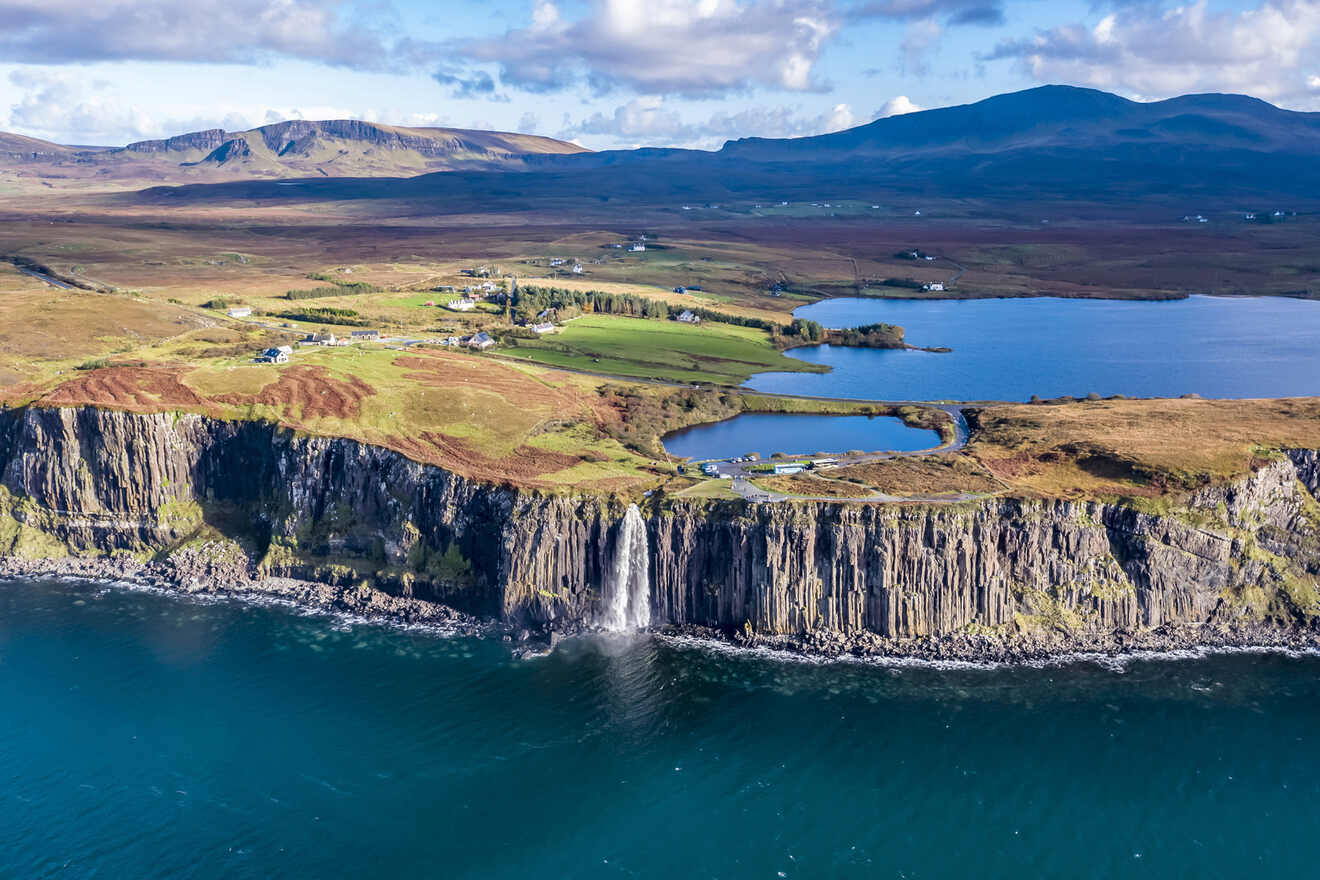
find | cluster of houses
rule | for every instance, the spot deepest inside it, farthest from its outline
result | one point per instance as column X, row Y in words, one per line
column 280, row 354
column 487, row 291
column 933, row 286
column 477, row 341
column 1249, row 216
column 324, row 339
column 636, row 246
column 560, row 262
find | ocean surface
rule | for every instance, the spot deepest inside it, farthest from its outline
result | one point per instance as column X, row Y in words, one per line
column 1010, row 349
column 768, row 433
column 151, row 736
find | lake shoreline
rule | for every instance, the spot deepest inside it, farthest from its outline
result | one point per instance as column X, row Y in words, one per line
column 183, row 578
column 1015, row 349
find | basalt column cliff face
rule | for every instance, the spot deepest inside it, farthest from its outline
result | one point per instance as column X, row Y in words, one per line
column 254, row 498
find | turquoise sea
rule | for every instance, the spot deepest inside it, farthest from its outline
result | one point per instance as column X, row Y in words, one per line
column 146, row 735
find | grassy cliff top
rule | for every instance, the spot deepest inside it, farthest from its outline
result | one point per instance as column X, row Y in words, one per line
column 1137, row 447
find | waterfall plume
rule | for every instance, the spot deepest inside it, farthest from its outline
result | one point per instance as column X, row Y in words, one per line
column 627, row 600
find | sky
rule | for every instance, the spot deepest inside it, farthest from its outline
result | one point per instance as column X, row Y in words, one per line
column 617, row 73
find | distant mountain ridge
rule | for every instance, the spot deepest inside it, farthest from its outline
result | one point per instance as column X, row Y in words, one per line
column 22, row 148
column 1060, row 116
column 1052, row 143
column 330, row 148
column 1055, row 142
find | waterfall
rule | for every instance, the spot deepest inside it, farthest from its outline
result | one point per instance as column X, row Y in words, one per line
column 628, row 589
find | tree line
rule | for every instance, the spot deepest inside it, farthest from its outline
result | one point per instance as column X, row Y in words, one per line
column 529, row 302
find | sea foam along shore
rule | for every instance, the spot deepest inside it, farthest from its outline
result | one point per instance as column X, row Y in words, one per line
column 183, row 573
column 176, row 575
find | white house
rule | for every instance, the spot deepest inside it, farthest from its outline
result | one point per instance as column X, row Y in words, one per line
column 364, row 335
column 489, row 286
column 934, row 285
column 638, row 247
column 461, row 305
column 687, row 316
column 543, row 327
column 577, row 268
column 274, row 356
column 480, row 341
column 240, row 312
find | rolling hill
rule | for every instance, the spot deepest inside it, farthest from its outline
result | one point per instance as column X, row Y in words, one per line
column 20, row 148
column 1056, row 117
column 1054, row 144
column 297, row 148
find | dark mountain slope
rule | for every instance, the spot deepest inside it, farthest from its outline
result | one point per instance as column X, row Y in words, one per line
column 1051, row 144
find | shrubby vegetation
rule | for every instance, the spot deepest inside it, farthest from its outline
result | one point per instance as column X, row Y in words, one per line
column 325, row 315
column 646, row 417
column 334, row 288
column 868, row 336
column 528, row 302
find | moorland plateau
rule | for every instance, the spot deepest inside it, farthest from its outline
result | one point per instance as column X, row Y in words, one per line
column 138, row 285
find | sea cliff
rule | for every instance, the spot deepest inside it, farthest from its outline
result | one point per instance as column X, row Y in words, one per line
column 230, row 504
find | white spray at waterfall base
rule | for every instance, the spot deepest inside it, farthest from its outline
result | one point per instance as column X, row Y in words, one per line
column 627, row 600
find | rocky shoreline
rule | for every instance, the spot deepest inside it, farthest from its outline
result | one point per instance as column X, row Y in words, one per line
column 1016, row 648
column 187, row 575
column 197, row 574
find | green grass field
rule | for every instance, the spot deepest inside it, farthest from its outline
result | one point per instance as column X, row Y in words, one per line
column 650, row 349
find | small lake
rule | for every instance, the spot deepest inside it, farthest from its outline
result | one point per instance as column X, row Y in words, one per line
column 767, row 433
column 1010, row 349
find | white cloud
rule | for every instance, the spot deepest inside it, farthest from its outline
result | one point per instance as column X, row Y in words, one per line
column 55, row 31
column 977, row 12
column 897, row 106
column 665, row 46
column 650, row 121
column 69, row 109
column 838, row 119
column 921, row 38
column 1145, row 51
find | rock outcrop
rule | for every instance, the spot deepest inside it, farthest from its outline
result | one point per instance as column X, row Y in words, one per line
column 205, row 141
column 98, row 483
